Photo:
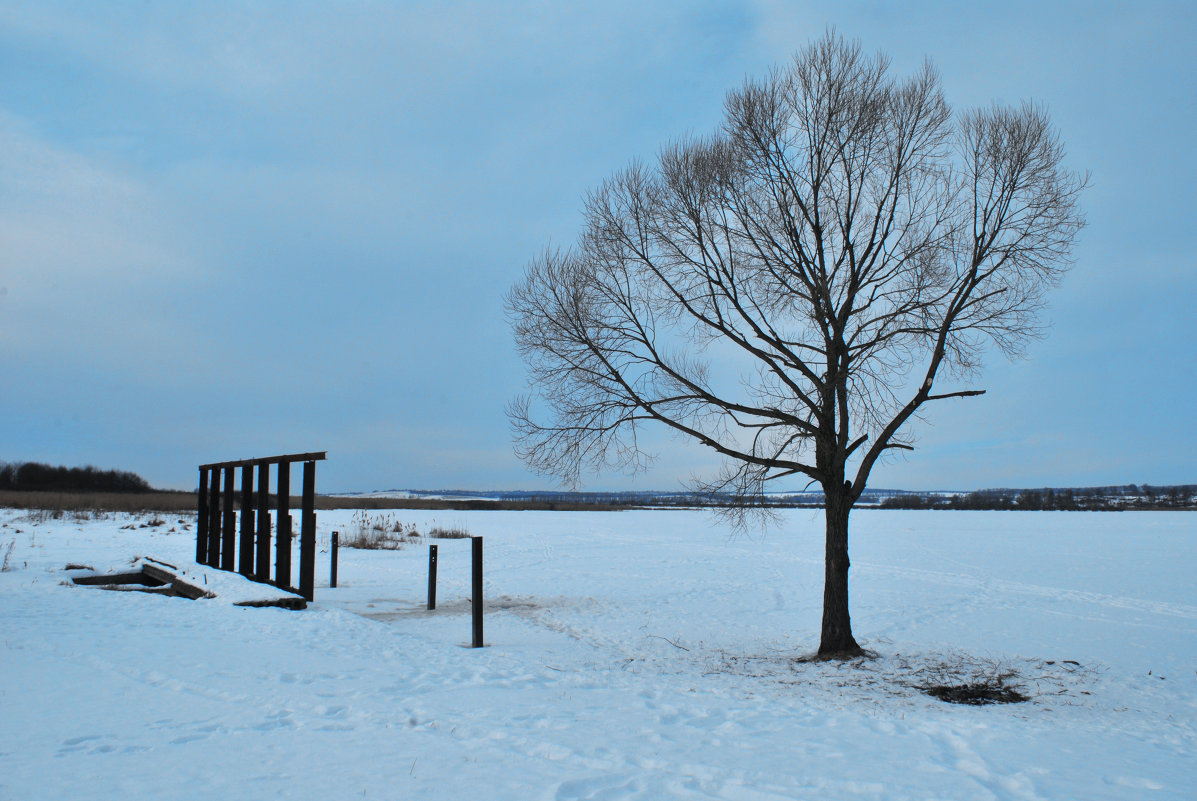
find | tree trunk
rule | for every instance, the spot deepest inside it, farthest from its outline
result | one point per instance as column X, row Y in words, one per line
column 836, row 640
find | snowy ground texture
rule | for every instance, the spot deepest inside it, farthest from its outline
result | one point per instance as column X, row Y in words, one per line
column 644, row 655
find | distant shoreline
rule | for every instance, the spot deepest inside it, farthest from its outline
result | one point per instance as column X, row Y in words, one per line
column 1124, row 498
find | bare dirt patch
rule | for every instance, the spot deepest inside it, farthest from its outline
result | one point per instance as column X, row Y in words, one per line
column 952, row 677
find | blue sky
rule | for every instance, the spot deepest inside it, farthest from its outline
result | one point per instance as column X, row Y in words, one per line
column 238, row 229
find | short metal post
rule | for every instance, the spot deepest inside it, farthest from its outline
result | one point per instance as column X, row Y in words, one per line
column 431, row 577
column 332, row 574
column 477, row 596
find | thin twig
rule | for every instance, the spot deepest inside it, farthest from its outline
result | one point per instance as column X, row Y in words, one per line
column 671, row 642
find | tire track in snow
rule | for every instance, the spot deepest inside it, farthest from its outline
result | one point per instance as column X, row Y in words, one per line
column 957, row 755
column 990, row 586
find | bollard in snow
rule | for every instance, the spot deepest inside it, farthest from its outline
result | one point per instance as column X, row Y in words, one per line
column 431, row 577
column 476, row 600
column 332, row 575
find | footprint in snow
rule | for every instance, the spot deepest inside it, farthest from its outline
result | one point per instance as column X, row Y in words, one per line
column 87, row 743
column 187, row 738
column 609, row 786
column 78, row 740
column 331, row 711
column 276, row 720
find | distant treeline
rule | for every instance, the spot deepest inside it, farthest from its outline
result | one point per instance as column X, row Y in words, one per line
column 563, row 500
column 1129, row 496
column 1097, row 499
column 35, row 477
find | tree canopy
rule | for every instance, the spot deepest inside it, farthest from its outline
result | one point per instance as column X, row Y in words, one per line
column 788, row 290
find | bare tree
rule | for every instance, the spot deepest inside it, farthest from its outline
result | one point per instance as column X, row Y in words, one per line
column 788, row 290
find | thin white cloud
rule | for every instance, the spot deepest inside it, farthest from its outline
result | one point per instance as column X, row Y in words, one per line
column 235, row 50
column 67, row 216
column 86, row 251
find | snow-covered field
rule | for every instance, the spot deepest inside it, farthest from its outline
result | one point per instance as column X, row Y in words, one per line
column 630, row 655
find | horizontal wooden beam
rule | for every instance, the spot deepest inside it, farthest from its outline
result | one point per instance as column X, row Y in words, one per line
column 289, row 457
column 293, row 602
column 107, row 579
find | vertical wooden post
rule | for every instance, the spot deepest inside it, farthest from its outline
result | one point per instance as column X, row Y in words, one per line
column 214, row 519
column 477, row 595
column 282, row 545
column 228, row 540
column 332, row 572
column 201, row 520
column 246, row 556
column 431, row 577
column 262, row 562
column 307, row 536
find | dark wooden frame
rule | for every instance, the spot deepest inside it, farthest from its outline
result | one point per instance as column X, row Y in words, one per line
column 217, row 528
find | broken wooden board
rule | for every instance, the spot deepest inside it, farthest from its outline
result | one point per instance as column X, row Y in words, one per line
column 156, row 576
column 187, row 590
